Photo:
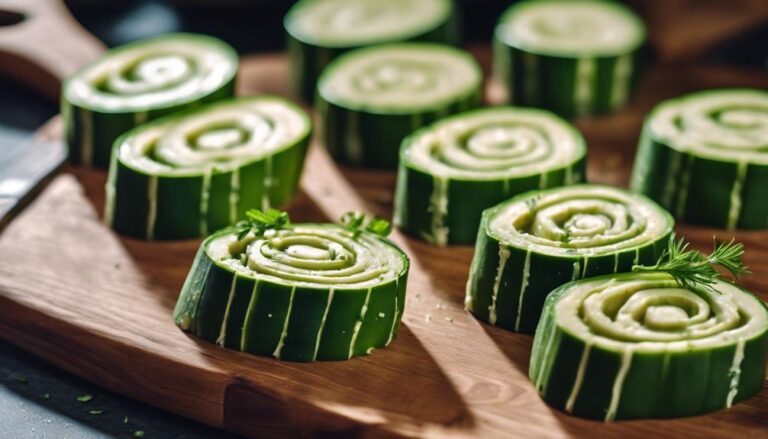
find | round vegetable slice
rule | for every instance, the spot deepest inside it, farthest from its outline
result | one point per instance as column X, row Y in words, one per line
column 141, row 81
column 371, row 99
column 574, row 57
column 457, row 167
column 640, row 345
column 704, row 157
column 320, row 30
column 186, row 175
column 535, row 242
column 303, row 292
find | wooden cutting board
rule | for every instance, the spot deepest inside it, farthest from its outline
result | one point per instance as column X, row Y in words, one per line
column 99, row 306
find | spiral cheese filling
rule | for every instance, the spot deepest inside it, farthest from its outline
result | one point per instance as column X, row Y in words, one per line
column 571, row 27
column 405, row 78
column 225, row 136
column 150, row 76
column 585, row 220
column 728, row 125
column 496, row 143
column 345, row 23
column 312, row 255
column 653, row 310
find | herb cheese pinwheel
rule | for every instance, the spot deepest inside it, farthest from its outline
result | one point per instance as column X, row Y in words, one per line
column 574, row 57
column 298, row 292
column 138, row 82
column 667, row 341
column 454, row 169
column 185, row 175
column 704, row 157
column 535, row 242
column 320, row 30
column 371, row 99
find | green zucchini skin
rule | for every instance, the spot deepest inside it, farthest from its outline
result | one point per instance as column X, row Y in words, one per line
column 310, row 53
column 511, row 277
column 702, row 168
column 444, row 204
column 596, row 374
column 92, row 125
column 357, row 130
column 571, row 82
column 225, row 303
column 150, row 199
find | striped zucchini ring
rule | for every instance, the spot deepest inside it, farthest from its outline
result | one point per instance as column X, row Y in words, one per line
column 704, row 157
column 454, row 169
column 535, row 242
column 371, row 99
column 185, row 175
column 320, row 30
column 637, row 345
column 141, row 81
column 303, row 293
column 574, row 57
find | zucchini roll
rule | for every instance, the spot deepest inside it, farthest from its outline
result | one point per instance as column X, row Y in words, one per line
column 371, row 99
column 641, row 345
column 574, row 57
column 535, row 242
column 704, row 157
column 300, row 292
column 320, row 30
column 457, row 167
column 186, row 175
column 141, row 81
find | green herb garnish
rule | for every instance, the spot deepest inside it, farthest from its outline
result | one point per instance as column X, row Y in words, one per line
column 46, row 396
column 692, row 267
column 84, row 398
column 95, row 412
column 19, row 378
column 355, row 222
column 138, row 433
column 259, row 221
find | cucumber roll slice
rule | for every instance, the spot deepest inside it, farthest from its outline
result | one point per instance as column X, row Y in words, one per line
column 537, row 241
column 186, row 175
column 457, row 167
column 574, row 57
column 298, row 292
column 704, row 157
column 320, row 30
column 371, row 99
column 641, row 345
column 138, row 82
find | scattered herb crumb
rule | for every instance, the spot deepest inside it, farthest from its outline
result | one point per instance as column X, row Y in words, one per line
column 46, row 396
column 125, row 420
column 84, row 398
column 95, row 412
column 382, row 315
column 138, row 433
column 449, row 319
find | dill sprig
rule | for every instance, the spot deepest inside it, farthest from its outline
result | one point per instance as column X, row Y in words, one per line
column 692, row 267
column 355, row 222
column 259, row 221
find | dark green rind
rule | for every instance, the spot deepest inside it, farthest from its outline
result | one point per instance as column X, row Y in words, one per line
column 379, row 134
column 466, row 198
column 179, row 197
column 106, row 127
column 259, row 307
column 546, row 273
column 690, row 383
column 308, row 60
column 660, row 171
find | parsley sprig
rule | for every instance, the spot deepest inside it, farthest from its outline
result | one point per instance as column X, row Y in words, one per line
column 692, row 267
column 356, row 223
column 259, row 221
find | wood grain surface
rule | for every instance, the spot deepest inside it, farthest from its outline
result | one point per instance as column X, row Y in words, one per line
column 98, row 305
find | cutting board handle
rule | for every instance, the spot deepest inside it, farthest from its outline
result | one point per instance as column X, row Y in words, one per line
column 41, row 44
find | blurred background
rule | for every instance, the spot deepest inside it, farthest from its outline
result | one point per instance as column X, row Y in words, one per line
column 38, row 401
